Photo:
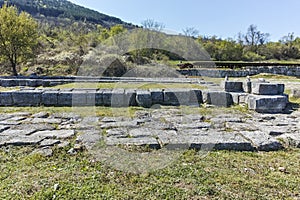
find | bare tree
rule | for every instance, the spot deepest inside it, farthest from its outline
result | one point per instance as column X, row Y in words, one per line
column 254, row 38
column 153, row 25
column 191, row 32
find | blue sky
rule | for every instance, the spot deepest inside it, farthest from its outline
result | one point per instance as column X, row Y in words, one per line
column 223, row 18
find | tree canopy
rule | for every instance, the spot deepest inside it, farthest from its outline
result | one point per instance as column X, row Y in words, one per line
column 18, row 35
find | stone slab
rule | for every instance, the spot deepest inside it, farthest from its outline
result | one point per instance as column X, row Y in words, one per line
column 262, row 141
column 267, row 103
column 143, row 98
column 27, row 98
column 55, row 134
column 6, row 99
column 145, row 141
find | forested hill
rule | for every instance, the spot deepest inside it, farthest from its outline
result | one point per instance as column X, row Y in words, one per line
column 63, row 9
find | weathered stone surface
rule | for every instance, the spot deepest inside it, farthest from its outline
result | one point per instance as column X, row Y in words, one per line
column 6, row 99
column 44, row 151
column 196, row 97
column 49, row 143
column 157, row 96
column 3, row 128
column 222, row 99
column 50, row 98
column 267, row 89
column 89, row 139
column 118, row 98
column 16, row 133
column 176, row 97
column 46, row 121
column 130, row 97
column 145, row 141
column 239, row 98
column 262, row 141
column 59, row 134
column 232, row 86
column 64, row 98
column 267, row 104
column 27, row 98
column 24, row 140
column 143, row 98
column 106, row 96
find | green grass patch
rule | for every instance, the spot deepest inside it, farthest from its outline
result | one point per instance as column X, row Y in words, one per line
column 219, row 175
column 130, row 85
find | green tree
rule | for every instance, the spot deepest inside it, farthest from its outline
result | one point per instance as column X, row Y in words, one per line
column 18, row 36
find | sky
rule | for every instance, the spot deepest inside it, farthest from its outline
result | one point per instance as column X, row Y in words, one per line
column 223, row 18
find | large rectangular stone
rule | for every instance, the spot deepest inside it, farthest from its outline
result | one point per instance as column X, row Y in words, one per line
column 239, row 98
column 27, row 98
column 50, row 98
column 157, row 96
column 106, row 97
column 176, row 97
column 143, row 98
column 99, row 98
column 6, row 99
column 64, row 98
column 232, row 86
column 267, row 88
column 217, row 98
column 130, row 97
column 195, row 97
column 267, row 104
column 117, row 98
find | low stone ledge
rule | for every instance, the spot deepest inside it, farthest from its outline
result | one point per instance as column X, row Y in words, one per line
column 219, row 98
column 267, row 88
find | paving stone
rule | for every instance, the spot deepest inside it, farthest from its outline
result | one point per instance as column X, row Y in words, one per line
column 9, row 122
column 24, row 140
column 145, row 141
column 262, row 141
column 41, row 115
column 128, row 124
column 31, row 128
column 16, row 133
column 3, row 128
column 89, row 139
column 58, row 134
column 49, row 142
column 117, row 132
column 46, row 121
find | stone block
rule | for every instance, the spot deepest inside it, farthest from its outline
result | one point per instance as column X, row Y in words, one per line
column 267, row 104
column 239, row 98
column 64, row 98
column 267, row 89
column 117, row 98
column 143, row 98
column 79, row 98
column 130, row 97
column 99, row 98
column 222, row 99
column 232, row 86
column 6, row 99
column 50, row 98
column 157, row 96
column 176, row 97
column 196, row 97
column 247, row 87
column 27, row 98
column 107, row 96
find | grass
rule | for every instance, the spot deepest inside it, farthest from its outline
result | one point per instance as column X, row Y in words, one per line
column 130, row 85
column 219, row 175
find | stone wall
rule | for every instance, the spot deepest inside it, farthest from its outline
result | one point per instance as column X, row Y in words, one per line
column 246, row 71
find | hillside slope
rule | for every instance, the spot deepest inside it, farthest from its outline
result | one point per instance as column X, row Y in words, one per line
column 63, row 9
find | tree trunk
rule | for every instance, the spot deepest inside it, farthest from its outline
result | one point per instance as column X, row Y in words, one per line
column 14, row 68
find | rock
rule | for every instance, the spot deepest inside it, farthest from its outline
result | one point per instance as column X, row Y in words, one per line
column 6, row 98
column 24, row 140
column 3, row 128
column 295, row 93
column 143, row 98
column 222, row 99
column 267, row 104
column 232, row 86
column 65, row 98
column 27, row 98
column 46, row 121
column 50, row 98
column 41, row 115
column 267, row 89
column 157, row 96
column 46, row 151
column 72, row 152
column 49, row 143
column 59, row 134
column 144, row 141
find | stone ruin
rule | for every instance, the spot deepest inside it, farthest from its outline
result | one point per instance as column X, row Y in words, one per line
column 260, row 96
